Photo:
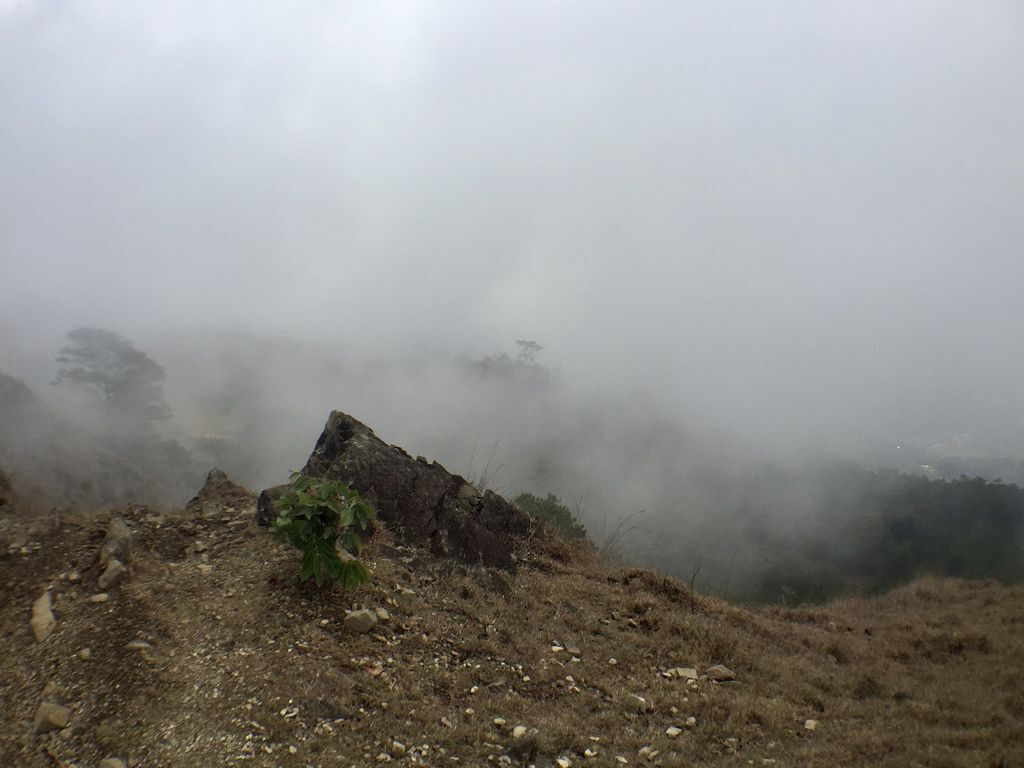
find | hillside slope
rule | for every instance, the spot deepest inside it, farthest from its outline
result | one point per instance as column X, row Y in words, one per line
column 55, row 462
column 207, row 652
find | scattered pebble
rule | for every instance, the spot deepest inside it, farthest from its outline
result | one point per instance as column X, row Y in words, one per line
column 361, row 621
column 683, row 673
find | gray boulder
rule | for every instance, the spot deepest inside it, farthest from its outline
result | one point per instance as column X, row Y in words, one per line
column 118, row 543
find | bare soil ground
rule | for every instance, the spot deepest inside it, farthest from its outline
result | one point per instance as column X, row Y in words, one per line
column 239, row 665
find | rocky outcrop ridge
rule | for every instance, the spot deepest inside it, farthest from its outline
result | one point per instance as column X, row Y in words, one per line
column 421, row 501
column 219, row 493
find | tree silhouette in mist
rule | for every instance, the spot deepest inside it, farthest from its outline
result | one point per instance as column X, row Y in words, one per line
column 115, row 372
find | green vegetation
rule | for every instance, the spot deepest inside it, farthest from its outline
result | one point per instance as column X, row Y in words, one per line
column 316, row 516
column 553, row 511
column 887, row 528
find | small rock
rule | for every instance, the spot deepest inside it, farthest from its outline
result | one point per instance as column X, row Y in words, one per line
column 682, row 673
column 102, row 597
column 720, row 673
column 612, row 661
column 138, row 645
column 205, row 568
column 112, row 762
column 518, row 732
column 361, row 621
column 647, row 753
column 398, row 748
column 564, row 762
column 810, row 725
column 73, row 577
column 382, row 615
column 51, row 717
column 42, row 621
column 499, row 721
column 691, row 722
column 199, row 546
column 573, row 650
column 85, row 654
column 114, row 571
column 672, row 731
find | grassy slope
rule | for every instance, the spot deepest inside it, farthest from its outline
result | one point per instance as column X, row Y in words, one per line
column 931, row 674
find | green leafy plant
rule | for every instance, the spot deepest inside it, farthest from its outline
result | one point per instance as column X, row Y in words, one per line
column 553, row 511
column 317, row 515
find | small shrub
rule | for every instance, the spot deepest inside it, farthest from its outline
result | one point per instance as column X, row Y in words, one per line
column 552, row 510
column 316, row 516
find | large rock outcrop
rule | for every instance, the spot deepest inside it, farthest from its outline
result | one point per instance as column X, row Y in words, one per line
column 421, row 501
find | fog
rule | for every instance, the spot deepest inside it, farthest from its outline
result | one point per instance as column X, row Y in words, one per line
column 741, row 231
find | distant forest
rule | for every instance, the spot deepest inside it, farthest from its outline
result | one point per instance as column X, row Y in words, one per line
column 881, row 529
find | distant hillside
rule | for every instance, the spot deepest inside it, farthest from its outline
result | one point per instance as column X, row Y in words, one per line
column 52, row 461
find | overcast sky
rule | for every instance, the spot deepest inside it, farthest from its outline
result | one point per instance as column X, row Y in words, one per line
column 772, row 212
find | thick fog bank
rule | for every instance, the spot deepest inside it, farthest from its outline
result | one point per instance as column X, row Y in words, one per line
column 751, row 239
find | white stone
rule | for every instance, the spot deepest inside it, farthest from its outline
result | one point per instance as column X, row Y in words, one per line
column 43, row 621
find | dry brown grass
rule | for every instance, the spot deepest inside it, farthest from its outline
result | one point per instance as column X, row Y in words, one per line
column 929, row 675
